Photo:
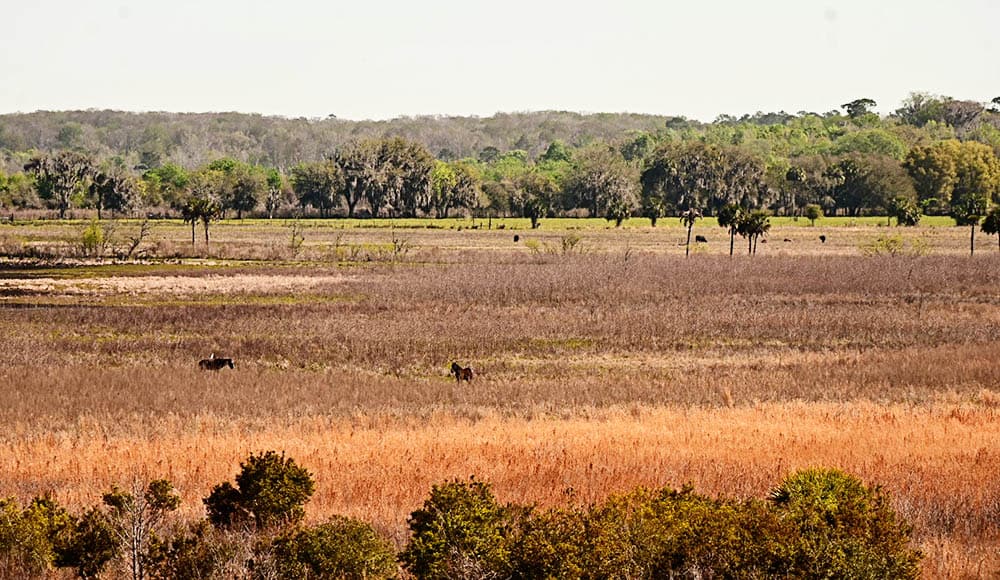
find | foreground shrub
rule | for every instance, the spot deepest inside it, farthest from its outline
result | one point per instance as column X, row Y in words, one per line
column 671, row 533
column 270, row 490
column 460, row 532
column 838, row 527
column 87, row 544
column 551, row 544
column 26, row 536
column 341, row 548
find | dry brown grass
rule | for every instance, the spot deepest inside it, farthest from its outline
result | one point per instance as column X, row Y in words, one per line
column 598, row 372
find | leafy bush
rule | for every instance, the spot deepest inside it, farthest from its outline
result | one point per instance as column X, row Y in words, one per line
column 341, row 548
column 460, row 532
column 88, row 544
column 839, row 528
column 550, row 544
column 26, row 536
column 669, row 533
column 270, row 490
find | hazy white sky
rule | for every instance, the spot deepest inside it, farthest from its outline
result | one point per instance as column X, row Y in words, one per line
column 382, row 58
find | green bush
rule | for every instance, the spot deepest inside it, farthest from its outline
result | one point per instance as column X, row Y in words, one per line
column 460, row 532
column 839, row 528
column 341, row 548
column 26, row 536
column 550, row 544
column 270, row 490
column 88, row 544
column 671, row 533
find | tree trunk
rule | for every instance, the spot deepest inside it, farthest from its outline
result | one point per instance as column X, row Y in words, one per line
column 687, row 247
column 206, row 232
column 755, row 245
column 972, row 240
column 193, row 224
column 732, row 241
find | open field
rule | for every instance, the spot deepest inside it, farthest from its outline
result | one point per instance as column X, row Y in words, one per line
column 610, row 363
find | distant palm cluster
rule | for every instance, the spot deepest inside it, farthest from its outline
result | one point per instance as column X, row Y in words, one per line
column 934, row 155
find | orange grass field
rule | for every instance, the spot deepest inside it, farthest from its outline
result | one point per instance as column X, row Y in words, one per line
column 601, row 366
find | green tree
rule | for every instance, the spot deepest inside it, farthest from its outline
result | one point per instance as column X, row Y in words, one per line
column 534, row 193
column 340, row 549
column 88, row 544
column 406, row 167
column 60, row 176
column 458, row 533
column 26, row 536
column 859, row 107
column 871, row 142
column 166, row 183
column 557, row 151
column 270, row 490
column 991, row 223
column 246, row 184
column 688, row 217
column 113, row 189
column 842, row 529
column 754, row 225
column 359, row 162
column 812, row 213
column 318, row 184
column 967, row 210
column 276, row 190
column 730, row 217
column 905, row 210
column 704, row 176
column 921, row 108
column 604, row 183
column 933, row 170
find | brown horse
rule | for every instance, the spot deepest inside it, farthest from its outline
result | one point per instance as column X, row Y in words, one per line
column 461, row 373
column 215, row 364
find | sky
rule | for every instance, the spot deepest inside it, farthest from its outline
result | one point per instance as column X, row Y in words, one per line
column 379, row 59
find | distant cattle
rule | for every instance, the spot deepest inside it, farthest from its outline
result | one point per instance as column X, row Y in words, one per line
column 701, row 239
column 461, row 373
column 215, row 364
column 822, row 239
column 786, row 240
column 517, row 238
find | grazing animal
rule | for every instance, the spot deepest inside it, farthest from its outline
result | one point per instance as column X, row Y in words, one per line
column 701, row 239
column 786, row 240
column 215, row 364
column 461, row 373
column 517, row 238
column 822, row 239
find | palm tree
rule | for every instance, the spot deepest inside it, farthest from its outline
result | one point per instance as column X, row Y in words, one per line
column 730, row 217
column 200, row 208
column 688, row 218
column 754, row 225
column 991, row 224
column 190, row 214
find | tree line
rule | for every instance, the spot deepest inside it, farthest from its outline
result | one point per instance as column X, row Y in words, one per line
column 933, row 156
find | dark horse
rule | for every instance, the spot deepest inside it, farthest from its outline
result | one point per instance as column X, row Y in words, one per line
column 215, row 364
column 461, row 373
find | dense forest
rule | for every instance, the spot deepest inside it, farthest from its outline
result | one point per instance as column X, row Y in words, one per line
column 932, row 155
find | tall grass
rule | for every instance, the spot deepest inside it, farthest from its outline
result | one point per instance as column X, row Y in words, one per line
column 596, row 371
